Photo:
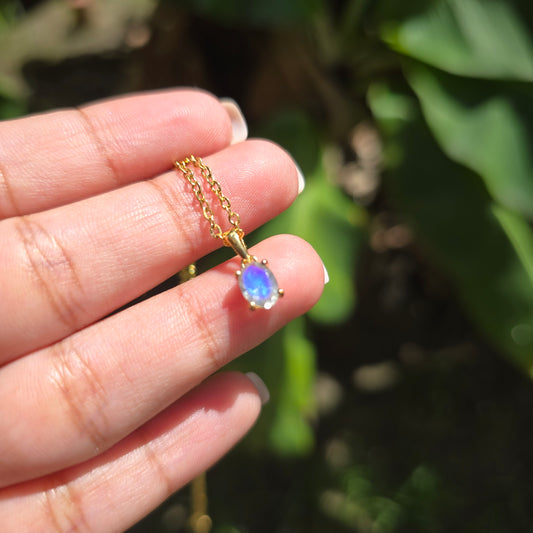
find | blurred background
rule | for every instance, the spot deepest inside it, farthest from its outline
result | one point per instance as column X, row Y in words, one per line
column 403, row 401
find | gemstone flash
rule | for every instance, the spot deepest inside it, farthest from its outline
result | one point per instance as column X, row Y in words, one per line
column 258, row 285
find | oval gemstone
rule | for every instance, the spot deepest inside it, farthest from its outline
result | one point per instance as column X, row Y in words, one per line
column 258, row 285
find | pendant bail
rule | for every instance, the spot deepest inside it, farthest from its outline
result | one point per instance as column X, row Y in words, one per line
column 234, row 239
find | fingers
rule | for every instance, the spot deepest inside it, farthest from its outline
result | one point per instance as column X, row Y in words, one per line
column 145, row 468
column 70, row 266
column 57, row 158
column 73, row 400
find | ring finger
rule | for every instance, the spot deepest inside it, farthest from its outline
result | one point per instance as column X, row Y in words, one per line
column 73, row 400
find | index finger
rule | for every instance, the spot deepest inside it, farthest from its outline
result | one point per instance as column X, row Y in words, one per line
column 56, row 158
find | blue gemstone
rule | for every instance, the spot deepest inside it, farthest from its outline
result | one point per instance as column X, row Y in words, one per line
column 258, row 285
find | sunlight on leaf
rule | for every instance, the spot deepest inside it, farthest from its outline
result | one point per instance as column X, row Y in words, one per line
column 486, row 250
column 485, row 126
column 481, row 38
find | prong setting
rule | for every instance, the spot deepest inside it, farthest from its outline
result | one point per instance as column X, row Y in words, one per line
column 258, row 285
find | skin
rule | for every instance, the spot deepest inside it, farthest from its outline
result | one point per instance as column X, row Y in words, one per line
column 103, row 417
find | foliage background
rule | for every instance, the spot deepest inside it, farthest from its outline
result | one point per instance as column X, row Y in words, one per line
column 403, row 401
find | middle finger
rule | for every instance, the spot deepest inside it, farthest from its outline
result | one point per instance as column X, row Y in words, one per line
column 70, row 266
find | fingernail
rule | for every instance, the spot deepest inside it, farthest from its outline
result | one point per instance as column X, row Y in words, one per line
column 326, row 275
column 301, row 179
column 259, row 384
column 238, row 122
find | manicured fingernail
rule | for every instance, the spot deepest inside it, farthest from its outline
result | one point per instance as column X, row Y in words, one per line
column 326, row 275
column 259, row 384
column 238, row 122
column 301, row 179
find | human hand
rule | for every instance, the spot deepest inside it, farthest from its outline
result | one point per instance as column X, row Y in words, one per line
column 103, row 417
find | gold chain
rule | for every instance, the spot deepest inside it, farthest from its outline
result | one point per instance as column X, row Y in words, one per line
column 253, row 288
column 205, row 171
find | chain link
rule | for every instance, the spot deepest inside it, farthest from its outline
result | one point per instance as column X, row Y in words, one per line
column 185, row 168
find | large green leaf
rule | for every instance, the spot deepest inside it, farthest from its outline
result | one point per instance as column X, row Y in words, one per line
column 481, row 38
column 291, row 431
column 486, row 126
column 334, row 225
column 323, row 215
column 287, row 364
column 486, row 249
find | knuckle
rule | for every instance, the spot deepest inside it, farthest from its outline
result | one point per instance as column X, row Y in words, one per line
column 8, row 204
column 201, row 330
column 83, row 393
column 92, row 129
column 63, row 509
column 168, row 198
column 53, row 270
column 159, row 470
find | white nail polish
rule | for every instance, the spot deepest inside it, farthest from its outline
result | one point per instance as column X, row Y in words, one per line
column 259, row 384
column 326, row 275
column 238, row 122
column 301, row 179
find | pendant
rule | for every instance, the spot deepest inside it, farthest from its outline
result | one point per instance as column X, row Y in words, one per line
column 258, row 285
column 256, row 281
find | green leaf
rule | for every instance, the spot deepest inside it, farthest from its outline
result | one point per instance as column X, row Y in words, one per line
column 486, row 249
column 486, row 126
column 9, row 12
column 323, row 215
column 519, row 233
column 334, row 225
column 286, row 363
column 291, row 431
column 480, row 38
column 11, row 107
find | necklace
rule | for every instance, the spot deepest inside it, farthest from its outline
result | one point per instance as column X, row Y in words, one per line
column 256, row 281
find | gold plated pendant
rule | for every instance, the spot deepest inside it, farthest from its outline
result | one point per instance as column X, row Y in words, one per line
column 256, row 281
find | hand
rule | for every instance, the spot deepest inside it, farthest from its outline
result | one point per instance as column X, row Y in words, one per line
column 103, row 417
